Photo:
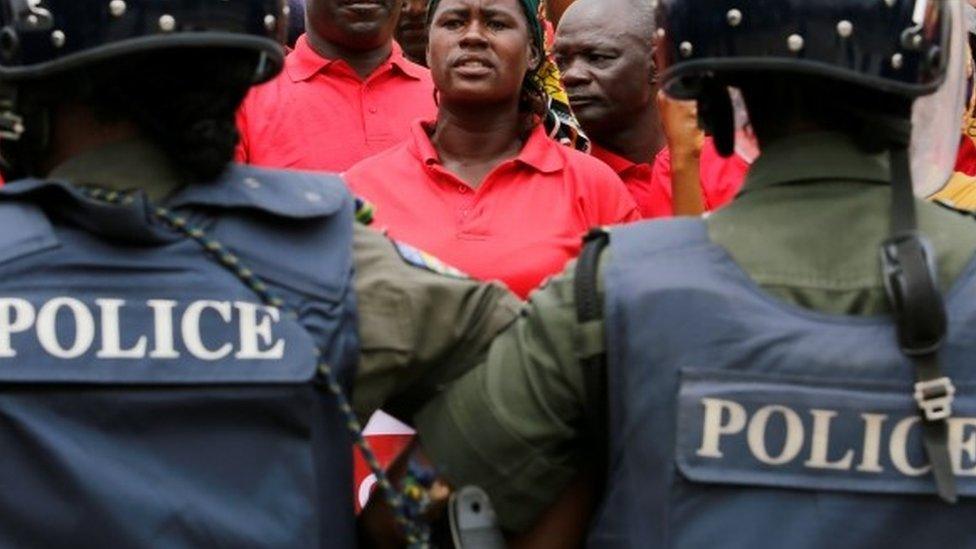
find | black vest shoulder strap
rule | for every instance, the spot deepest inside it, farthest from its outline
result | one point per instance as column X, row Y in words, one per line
column 589, row 312
column 658, row 236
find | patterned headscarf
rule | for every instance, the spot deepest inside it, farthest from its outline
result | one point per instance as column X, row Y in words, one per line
column 559, row 120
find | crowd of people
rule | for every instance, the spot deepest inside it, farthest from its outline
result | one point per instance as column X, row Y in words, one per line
column 488, row 137
column 444, row 120
column 616, row 261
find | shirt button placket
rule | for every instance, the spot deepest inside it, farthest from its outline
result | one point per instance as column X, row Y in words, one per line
column 369, row 112
column 465, row 206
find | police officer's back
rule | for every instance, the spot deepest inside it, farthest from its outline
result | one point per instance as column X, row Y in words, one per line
column 781, row 374
column 178, row 335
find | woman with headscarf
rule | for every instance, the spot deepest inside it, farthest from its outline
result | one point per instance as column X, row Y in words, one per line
column 495, row 186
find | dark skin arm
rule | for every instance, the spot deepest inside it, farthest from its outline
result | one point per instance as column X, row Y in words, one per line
column 680, row 120
column 565, row 524
column 562, row 526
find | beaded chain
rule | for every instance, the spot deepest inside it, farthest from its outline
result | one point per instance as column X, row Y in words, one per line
column 407, row 511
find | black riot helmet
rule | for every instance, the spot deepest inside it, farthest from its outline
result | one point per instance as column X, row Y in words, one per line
column 39, row 38
column 893, row 46
column 865, row 66
column 63, row 46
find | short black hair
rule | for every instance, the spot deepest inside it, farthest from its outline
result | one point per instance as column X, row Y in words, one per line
column 780, row 106
column 183, row 100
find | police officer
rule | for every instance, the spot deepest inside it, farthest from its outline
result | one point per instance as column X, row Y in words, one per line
column 759, row 378
column 177, row 334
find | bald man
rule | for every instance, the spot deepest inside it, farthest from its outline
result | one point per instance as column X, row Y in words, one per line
column 603, row 48
column 604, row 51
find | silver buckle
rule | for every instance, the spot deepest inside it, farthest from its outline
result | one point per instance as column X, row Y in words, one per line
column 935, row 398
column 11, row 126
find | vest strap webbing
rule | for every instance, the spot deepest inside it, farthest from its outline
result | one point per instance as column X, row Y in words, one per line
column 934, row 394
column 920, row 319
column 589, row 310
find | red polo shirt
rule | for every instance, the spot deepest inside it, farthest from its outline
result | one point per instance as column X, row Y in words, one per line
column 650, row 197
column 721, row 179
column 318, row 114
column 520, row 226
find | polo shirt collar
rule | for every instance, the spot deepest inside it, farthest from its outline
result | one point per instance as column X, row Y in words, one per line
column 404, row 65
column 539, row 152
column 616, row 162
column 304, row 62
column 815, row 157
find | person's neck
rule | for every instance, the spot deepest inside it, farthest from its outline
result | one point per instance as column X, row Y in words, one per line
column 75, row 131
column 364, row 61
column 639, row 141
column 477, row 135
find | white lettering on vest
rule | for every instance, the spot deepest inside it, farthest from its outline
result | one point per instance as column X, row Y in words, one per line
column 722, row 419
column 898, row 448
column 16, row 315
column 163, row 328
column 820, row 447
column 871, row 458
column 756, row 435
column 191, row 329
column 960, row 443
column 111, row 332
column 254, row 332
column 47, row 333
column 713, row 428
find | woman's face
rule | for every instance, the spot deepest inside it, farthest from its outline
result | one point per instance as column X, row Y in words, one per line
column 480, row 50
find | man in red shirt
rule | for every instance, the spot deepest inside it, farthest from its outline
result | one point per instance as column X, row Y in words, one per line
column 411, row 31
column 602, row 47
column 346, row 93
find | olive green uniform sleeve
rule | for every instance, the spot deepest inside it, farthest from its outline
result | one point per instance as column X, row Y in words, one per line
column 512, row 426
column 418, row 329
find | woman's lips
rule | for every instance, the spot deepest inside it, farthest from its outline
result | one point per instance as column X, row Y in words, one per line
column 473, row 69
column 472, row 66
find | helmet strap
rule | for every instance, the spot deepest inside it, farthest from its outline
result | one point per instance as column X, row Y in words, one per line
column 908, row 266
column 716, row 116
column 25, row 133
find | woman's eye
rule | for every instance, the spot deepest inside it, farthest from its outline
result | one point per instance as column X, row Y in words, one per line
column 497, row 25
column 452, row 24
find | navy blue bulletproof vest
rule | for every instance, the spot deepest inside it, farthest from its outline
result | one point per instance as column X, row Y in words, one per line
column 741, row 421
column 148, row 398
